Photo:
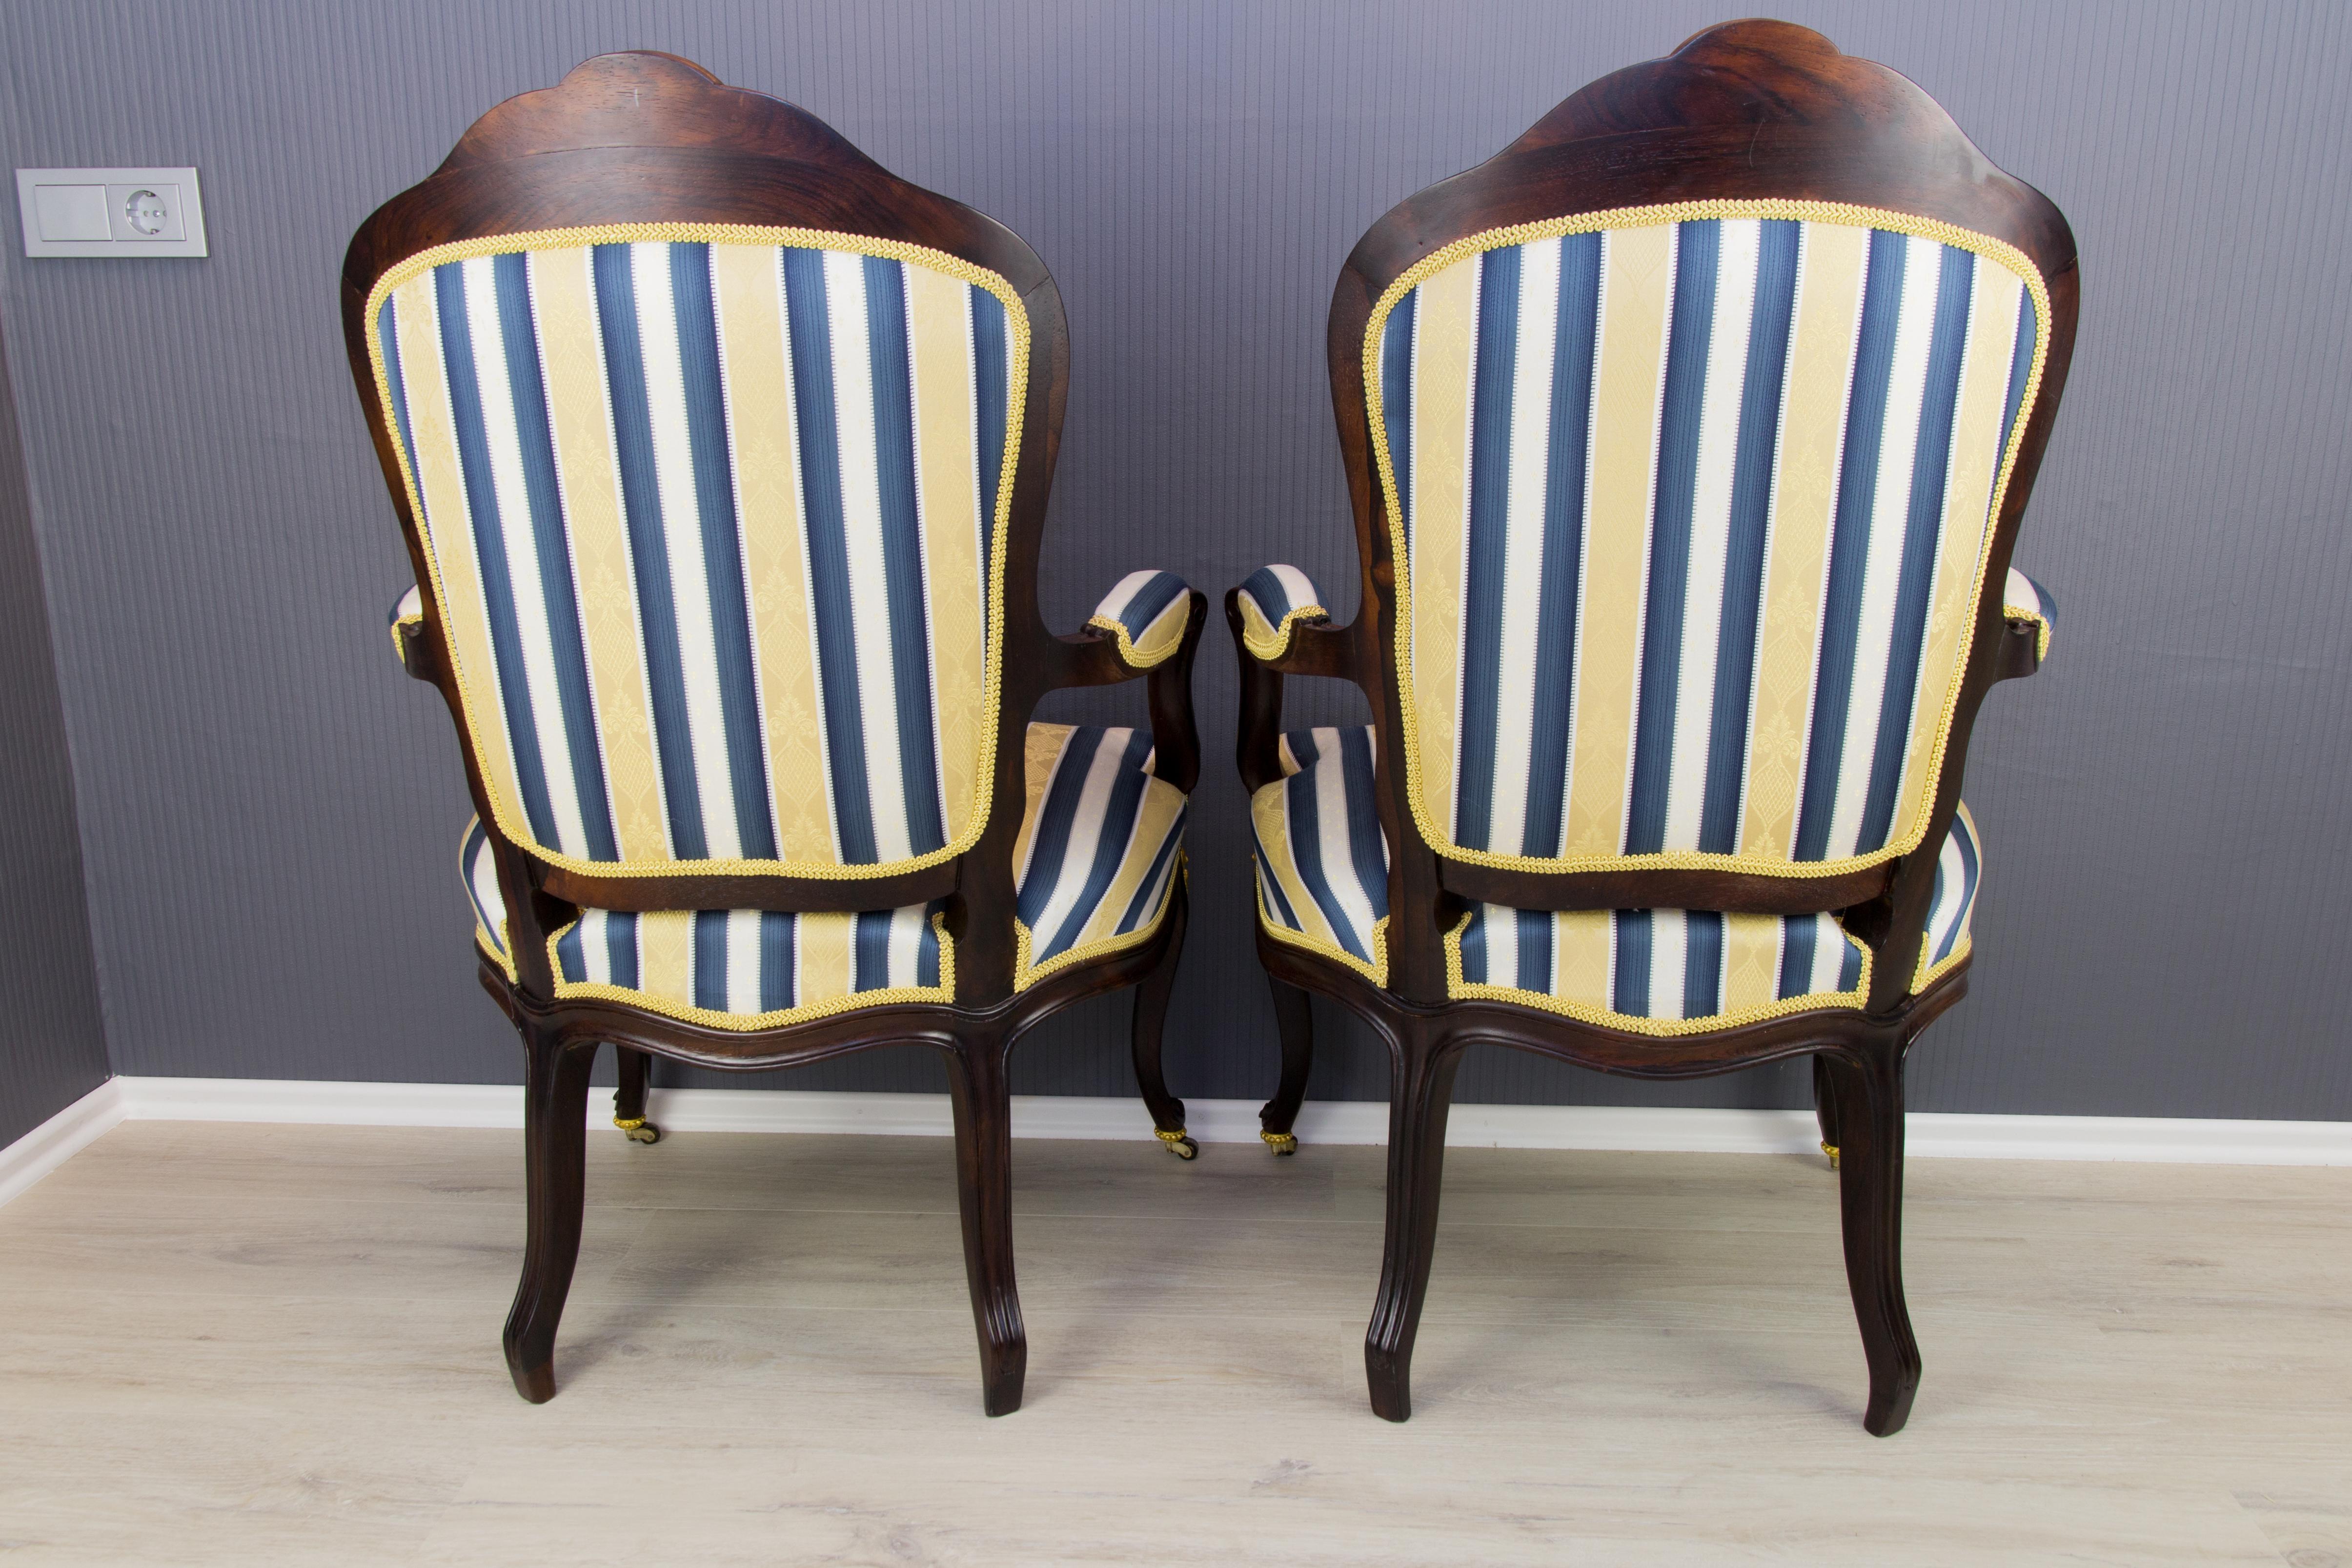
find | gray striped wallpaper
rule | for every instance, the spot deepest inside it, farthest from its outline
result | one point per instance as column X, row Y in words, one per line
column 52, row 1049
column 269, row 812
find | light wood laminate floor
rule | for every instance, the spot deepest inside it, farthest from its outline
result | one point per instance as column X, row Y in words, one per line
column 280, row 1344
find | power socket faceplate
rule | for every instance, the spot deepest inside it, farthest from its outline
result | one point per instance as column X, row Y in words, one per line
column 111, row 212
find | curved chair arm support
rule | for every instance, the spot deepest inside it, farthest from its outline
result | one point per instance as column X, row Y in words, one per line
column 1147, row 615
column 1273, row 600
column 1149, row 626
column 1298, row 640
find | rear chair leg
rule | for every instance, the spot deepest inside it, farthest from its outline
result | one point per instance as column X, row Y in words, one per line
column 1151, row 1016
column 983, row 1133
column 1825, row 1109
column 1296, row 1019
column 1420, row 1091
column 629, row 1099
column 1869, row 1099
column 555, row 1147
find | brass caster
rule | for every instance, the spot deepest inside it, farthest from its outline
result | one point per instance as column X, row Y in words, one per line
column 637, row 1130
column 1177, row 1144
column 1832, row 1151
column 1281, row 1142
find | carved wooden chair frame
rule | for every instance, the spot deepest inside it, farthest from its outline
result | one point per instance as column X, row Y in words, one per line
column 651, row 138
column 1743, row 112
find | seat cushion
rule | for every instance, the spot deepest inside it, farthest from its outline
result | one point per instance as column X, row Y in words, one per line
column 1322, row 865
column 1322, row 861
column 1656, row 972
column 1101, row 840
column 1681, row 971
column 1099, row 849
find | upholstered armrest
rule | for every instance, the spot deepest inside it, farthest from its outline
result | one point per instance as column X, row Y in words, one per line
column 1147, row 613
column 2025, row 603
column 407, row 620
column 1271, row 600
column 1280, row 628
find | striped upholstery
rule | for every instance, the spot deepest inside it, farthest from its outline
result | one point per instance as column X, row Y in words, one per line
column 480, row 874
column 1322, row 884
column 1099, row 854
column 1691, row 514
column 711, row 525
column 2023, row 599
column 731, row 969
column 1147, row 613
column 1322, row 861
column 1959, row 869
column 1656, row 972
column 1273, row 599
column 1674, row 971
column 1101, row 843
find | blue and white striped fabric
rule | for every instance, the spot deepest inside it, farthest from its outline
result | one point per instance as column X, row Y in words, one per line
column 712, row 527
column 1322, row 859
column 409, row 607
column 1101, row 845
column 1958, row 871
column 1672, row 971
column 479, row 872
column 1657, row 971
column 1692, row 517
column 1147, row 613
column 729, row 969
column 1274, row 599
column 2023, row 599
column 1098, row 853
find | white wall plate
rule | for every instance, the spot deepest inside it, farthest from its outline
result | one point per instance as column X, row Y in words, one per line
column 111, row 212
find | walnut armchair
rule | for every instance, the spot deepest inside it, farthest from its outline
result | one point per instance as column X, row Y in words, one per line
column 722, row 456
column 1687, row 438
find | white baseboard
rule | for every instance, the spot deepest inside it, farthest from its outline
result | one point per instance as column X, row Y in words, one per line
column 60, row 1139
column 1931, row 1134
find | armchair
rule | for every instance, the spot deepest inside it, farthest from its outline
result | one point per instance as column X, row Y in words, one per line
column 721, row 454
column 1687, row 439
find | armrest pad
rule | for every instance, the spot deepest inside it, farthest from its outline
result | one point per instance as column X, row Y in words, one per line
column 1147, row 613
column 2027, row 602
column 1273, row 600
column 409, row 611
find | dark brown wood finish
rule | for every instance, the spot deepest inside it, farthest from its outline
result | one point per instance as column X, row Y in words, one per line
column 1746, row 110
column 650, row 138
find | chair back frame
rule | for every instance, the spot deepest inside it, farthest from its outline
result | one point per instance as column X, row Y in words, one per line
column 644, row 138
column 1746, row 111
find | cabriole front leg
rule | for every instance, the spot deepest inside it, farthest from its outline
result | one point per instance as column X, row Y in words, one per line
column 983, row 1133
column 1866, row 1089
column 556, row 1137
column 1420, row 1094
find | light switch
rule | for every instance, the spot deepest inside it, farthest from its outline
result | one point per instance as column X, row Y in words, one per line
column 111, row 212
column 72, row 212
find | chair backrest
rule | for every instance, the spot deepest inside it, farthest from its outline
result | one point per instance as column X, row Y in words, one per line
column 1692, row 504
column 1688, row 437
column 709, row 435
column 709, row 515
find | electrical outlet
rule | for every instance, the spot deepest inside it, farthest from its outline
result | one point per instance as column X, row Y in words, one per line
column 111, row 212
